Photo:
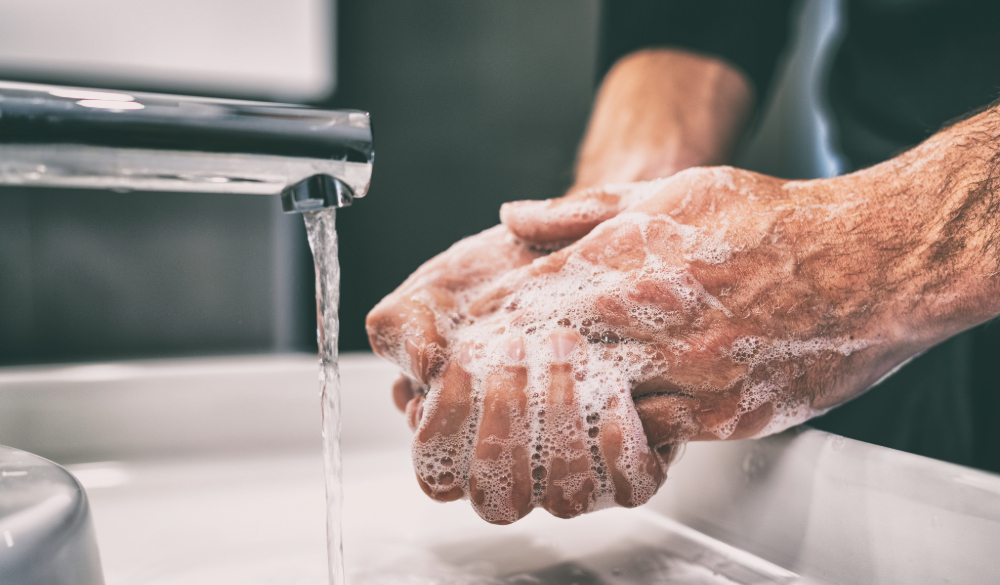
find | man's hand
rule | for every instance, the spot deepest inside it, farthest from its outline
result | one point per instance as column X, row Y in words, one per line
column 412, row 326
column 771, row 301
column 725, row 305
column 716, row 309
column 728, row 304
column 570, row 381
column 717, row 304
column 658, row 112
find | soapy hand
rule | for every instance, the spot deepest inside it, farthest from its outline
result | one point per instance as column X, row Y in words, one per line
column 718, row 304
column 726, row 303
column 411, row 325
column 421, row 327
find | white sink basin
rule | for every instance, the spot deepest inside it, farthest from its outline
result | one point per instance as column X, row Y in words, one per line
column 260, row 521
column 46, row 534
column 212, row 474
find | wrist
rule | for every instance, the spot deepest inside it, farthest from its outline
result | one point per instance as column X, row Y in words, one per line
column 935, row 219
column 660, row 111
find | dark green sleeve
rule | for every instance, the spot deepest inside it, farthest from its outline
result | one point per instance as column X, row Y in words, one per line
column 750, row 34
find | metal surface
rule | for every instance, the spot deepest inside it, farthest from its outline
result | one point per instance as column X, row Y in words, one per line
column 104, row 139
column 46, row 534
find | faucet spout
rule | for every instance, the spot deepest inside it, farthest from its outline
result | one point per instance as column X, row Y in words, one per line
column 73, row 137
column 316, row 192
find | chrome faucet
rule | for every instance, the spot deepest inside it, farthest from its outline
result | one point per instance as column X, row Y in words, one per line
column 105, row 139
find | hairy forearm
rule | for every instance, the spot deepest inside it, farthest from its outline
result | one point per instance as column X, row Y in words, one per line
column 660, row 111
column 934, row 225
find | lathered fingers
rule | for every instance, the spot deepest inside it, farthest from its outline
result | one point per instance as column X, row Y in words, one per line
column 500, row 476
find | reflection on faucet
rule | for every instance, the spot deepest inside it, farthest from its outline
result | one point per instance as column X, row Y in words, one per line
column 70, row 137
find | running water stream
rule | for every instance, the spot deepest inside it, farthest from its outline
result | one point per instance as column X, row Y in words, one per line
column 321, row 229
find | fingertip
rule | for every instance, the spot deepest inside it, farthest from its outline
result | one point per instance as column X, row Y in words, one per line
column 753, row 422
column 414, row 348
column 452, row 407
column 415, row 412
column 636, row 470
column 402, row 393
column 440, row 495
column 451, row 495
column 377, row 322
column 424, row 487
column 667, row 419
column 512, row 212
column 426, row 357
column 521, row 483
column 505, row 496
column 521, row 218
column 611, row 448
column 566, row 506
column 672, row 453
column 559, row 220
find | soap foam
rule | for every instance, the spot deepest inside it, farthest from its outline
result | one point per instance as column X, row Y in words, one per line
column 607, row 362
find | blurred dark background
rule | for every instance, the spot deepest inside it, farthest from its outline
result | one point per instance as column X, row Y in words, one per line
column 473, row 104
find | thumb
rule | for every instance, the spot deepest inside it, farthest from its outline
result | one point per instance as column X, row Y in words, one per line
column 555, row 222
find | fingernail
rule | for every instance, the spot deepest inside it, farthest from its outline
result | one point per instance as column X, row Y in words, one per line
column 414, row 347
column 515, row 348
column 563, row 344
column 415, row 412
column 402, row 392
column 466, row 355
column 519, row 207
column 671, row 453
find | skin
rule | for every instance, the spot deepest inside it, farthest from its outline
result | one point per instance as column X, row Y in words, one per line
column 658, row 112
column 716, row 304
